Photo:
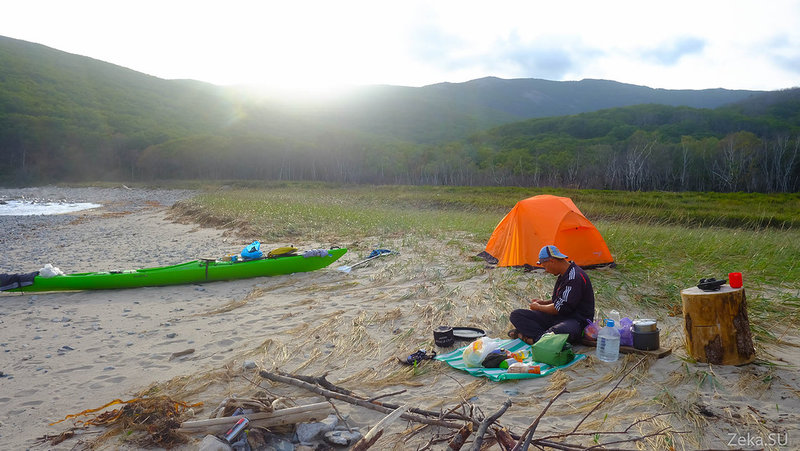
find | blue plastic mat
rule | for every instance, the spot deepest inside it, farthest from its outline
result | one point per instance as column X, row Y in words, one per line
column 498, row 374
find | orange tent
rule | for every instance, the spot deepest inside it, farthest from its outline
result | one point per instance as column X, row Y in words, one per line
column 541, row 220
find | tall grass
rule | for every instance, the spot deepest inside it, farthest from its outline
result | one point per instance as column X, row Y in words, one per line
column 662, row 242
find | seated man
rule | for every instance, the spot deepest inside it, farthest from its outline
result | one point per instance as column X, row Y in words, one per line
column 570, row 309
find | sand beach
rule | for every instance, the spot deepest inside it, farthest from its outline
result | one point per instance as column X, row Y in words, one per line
column 63, row 353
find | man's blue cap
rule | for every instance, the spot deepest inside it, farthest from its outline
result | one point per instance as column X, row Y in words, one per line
column 549, row 252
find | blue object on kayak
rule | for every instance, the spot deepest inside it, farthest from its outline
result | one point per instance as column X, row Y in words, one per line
column 252, row 251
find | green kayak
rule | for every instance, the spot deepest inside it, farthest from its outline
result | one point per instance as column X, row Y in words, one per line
column 196, row 271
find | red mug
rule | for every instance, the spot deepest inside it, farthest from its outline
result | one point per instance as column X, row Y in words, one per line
column 735, row 279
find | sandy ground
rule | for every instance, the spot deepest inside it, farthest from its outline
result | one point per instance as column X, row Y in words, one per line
column 62, row 353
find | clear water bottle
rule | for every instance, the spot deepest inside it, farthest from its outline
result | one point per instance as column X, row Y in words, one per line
column 608, row 342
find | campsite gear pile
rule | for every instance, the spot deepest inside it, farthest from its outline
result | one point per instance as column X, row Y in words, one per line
column 641, row 334
column 551, row 349
column 543, row 220
column 516, row 348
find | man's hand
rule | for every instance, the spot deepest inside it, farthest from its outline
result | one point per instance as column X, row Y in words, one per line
column 543, row 306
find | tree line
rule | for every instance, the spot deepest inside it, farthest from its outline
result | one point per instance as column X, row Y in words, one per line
column 647, row 147
column 740, row 161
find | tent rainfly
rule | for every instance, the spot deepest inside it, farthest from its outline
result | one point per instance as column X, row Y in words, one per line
column 541, row 220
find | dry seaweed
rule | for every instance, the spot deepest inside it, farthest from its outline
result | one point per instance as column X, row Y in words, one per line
column 147, row 421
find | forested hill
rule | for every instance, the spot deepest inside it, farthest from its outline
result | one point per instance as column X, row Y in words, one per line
column 66, row 117
column 532, row 98
column 451, row 111
column 37, row 81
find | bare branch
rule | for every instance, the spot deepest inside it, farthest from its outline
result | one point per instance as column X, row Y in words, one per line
column 352, row 400
column 609, row 392
column 527, row 436
column 488, row 422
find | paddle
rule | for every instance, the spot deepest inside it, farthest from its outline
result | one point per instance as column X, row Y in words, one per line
column 373, row 255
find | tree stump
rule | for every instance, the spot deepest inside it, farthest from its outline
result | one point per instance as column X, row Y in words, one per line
column 716, row 325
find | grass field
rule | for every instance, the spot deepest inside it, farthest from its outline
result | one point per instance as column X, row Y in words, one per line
column 662, row 242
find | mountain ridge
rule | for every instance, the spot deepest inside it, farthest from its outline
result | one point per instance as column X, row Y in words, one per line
column 71, row 117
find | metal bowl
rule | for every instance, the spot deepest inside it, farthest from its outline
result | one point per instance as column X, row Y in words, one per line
column 645, row 325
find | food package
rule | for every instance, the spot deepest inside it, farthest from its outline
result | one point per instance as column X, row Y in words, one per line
column 476, row 351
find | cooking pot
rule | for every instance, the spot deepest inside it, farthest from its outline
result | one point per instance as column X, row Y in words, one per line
column 443, row 336
column 645, row 325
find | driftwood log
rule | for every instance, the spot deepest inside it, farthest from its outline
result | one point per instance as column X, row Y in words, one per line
column 716, row 325
column 373, row 405
column 460, row 431
column 292, row 415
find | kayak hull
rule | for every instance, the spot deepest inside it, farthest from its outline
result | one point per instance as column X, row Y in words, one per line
column 196, row 271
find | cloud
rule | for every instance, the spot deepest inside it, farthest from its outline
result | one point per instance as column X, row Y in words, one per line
column 671, row 53
column 506, row 56
column 783, row 52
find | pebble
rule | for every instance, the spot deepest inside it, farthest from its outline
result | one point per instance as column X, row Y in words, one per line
column 342, row 438
column 307, row 432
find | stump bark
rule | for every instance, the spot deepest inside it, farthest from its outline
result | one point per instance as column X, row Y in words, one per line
column 716, row 325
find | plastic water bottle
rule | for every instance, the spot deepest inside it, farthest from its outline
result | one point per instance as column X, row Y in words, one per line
column 608, row 342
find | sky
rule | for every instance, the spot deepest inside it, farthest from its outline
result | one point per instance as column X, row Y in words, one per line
column 676, row 44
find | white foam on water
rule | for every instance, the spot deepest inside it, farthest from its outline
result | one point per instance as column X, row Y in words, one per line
column 26, row 208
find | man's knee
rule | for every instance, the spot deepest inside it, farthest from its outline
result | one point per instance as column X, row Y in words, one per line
column 570, row 327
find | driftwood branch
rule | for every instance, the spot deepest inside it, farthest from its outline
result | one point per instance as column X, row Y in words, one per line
column 278, row 417
column 353, row 400
column 504, row 438
column 385, row 395
column 527, row 436
column 609, row 393
column 547, row 442
column 375, row 433
column 488, row 422
column 324, row 383
column 460, row 438
column 468, row 419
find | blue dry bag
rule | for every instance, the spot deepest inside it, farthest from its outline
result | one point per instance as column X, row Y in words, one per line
column 252, row 251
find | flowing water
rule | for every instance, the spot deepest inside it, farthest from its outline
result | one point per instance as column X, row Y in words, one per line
column 29, row 208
